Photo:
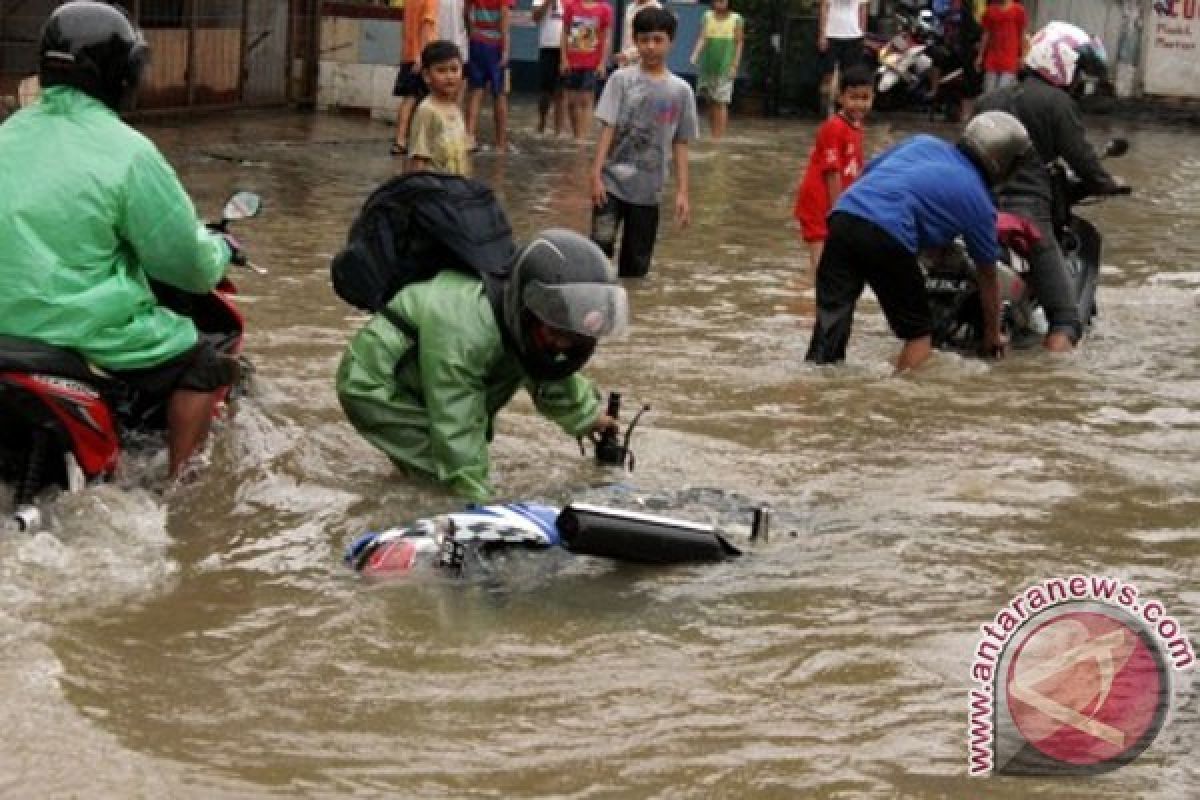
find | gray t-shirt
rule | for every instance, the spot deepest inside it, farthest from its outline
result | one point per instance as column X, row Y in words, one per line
column 647, row 114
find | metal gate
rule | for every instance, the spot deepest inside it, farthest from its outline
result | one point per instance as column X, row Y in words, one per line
column 204, row 53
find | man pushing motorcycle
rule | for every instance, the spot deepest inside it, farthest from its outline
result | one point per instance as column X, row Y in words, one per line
column 1058, row 56
column 90, row 212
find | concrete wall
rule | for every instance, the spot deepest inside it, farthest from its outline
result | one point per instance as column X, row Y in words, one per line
column 1171, row 49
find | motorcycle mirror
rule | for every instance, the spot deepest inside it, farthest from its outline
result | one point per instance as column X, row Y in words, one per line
column 242, row 205
column 1116, row 148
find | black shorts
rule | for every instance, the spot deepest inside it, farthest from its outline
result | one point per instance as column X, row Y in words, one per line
column 859, row 253
column 549, row 73
column 201, row 369
column 844, row 53
column 409, row 83
column 639, row 229
column 580, row 80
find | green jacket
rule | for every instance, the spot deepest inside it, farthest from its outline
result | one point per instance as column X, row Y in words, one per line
column 89, row 209
column 428, row 398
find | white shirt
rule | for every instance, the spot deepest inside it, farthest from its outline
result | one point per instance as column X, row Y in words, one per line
column 842, row 19
column 628, row 48
column 452, row 24
column 550, row 26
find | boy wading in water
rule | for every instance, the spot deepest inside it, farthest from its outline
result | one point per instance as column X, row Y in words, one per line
column 836, row 159
column 718, row 52
column 648, row 114
column 439, row 140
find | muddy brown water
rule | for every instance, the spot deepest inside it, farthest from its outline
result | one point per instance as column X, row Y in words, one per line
column 207, row 642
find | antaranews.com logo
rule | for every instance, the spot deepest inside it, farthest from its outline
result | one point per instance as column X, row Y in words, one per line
column 1073, row 677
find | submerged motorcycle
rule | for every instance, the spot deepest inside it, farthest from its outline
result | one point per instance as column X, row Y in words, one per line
column 63, row 421
column 954, row 293
column 467, row 543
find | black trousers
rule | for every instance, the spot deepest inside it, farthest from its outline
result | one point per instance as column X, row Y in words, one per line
column 859, row 253
column 639, row 229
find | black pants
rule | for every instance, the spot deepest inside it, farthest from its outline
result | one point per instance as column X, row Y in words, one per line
column 859, row 253
column 639, row 228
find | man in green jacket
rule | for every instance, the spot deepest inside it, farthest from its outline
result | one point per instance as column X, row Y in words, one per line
column 425, row 378
column 89, row 212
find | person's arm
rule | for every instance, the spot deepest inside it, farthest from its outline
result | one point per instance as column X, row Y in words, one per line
column 979, row 232
column 608, row 39
column 683, row 210
column 822, row 17
column 739, row 41
column 983, row 41
column 428, row 29
column 564, row 40
column 994, row 341
column 159, row 223
column 572, row 403
column 862, row 16
column 505, row 33
column 833, row 185
column 603, row 145
column 1071, row 142
column 694, row 58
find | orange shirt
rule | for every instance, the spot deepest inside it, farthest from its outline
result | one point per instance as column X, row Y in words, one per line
column 416, row 13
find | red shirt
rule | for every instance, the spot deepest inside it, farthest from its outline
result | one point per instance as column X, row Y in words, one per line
column 1005, row 29
column 486, row 18
column 586, row 26
column 839, row 148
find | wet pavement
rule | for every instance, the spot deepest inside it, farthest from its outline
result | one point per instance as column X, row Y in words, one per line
column 207, row 642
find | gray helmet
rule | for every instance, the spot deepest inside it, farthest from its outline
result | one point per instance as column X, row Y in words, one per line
column 563, row 280
column 995, row 141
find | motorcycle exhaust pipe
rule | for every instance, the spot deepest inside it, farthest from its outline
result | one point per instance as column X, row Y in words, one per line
column 642, row 538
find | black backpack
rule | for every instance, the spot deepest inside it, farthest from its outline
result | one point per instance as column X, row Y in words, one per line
column 416, row 225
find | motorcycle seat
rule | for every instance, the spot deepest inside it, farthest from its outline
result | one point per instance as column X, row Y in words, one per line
column 28, row 355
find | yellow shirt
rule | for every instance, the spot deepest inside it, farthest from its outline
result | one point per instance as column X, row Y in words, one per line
column 439, row 136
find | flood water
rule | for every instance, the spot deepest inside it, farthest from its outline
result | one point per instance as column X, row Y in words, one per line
column 207, row 642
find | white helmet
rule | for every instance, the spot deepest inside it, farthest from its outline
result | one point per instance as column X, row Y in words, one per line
column 1059, row 49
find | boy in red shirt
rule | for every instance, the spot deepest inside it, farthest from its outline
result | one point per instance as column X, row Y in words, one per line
column 836, row 158
column 586, row 43
column 1004, row 42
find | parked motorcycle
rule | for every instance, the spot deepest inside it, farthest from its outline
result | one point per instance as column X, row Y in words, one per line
column 904, row 62
column 954, row 294
column 63, row 421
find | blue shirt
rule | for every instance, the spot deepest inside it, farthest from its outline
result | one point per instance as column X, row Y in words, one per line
column 925, row 193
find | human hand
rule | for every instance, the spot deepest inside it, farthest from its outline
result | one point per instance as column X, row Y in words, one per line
column 237, row 256
column 604, row 423
column 995, row 345
column 600, row 71
column 599, row 193
column 822, row 43
column 1120, row 186
column 683, row 210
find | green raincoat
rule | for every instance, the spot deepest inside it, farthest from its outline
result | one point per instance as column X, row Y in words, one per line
column 429, row 400
column 89, row 209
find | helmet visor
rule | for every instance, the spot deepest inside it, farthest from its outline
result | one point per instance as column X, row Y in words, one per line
column 592, row 310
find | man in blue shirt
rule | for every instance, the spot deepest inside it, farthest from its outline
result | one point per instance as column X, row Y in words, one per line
column 923, row 193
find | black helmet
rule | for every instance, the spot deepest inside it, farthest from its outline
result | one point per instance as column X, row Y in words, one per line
column 995, row 141
column 93, row 47
column 563, row 283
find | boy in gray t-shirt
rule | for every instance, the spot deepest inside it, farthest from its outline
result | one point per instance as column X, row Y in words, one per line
column 648, row 117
